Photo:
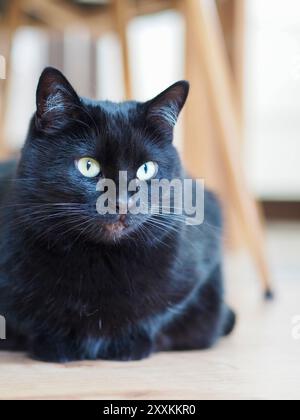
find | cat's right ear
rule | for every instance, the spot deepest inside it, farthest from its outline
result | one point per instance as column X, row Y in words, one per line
column 163, row 111
column 56, row 101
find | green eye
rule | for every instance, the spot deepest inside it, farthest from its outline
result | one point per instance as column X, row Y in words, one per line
column 88, row 167
column 147, row 171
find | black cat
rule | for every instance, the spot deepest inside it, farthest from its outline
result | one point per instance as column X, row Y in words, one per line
column 77, row 285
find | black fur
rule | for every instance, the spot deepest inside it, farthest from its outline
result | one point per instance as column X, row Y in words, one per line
column 70, row 289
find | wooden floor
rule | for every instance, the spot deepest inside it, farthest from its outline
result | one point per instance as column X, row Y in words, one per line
column 260, row 361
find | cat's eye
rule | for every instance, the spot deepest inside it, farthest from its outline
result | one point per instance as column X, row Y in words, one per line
column 147, row 171
column 88, row 167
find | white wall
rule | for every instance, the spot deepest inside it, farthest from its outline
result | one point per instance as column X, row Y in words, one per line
column 156, row 54
column 273, row 98
column 29, row 57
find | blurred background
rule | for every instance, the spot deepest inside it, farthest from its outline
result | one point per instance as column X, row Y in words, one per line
column 241, row 126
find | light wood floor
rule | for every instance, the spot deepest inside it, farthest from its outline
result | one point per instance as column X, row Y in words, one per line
column 260, row 361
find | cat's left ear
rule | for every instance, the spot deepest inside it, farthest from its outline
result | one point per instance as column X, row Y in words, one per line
column 164, row 110
column 56, row 101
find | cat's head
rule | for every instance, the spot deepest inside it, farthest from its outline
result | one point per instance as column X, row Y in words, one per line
column 74, row 144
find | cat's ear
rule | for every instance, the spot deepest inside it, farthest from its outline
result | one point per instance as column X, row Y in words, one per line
column 56, row 101
column 164, row 110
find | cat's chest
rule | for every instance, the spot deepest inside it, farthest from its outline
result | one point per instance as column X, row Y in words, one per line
column 113, row 298
column 97, row 292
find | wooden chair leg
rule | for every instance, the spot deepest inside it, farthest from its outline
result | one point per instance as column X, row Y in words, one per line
column 209, row 45
column 11, row 22
column 200, row 153
column 198, row 142
column 120, row 12
column 232, row 16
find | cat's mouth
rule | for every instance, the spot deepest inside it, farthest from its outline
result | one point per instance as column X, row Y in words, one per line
column 117, row 228
column 123, row 227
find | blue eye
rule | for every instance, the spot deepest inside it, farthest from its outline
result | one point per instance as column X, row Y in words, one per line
column 147, row 171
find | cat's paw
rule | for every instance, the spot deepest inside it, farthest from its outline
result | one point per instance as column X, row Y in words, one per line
column 50, row 352
column 133, row 348
column 136, row 354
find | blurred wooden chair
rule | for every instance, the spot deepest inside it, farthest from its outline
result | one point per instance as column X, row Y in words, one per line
column 214, row 114
column 214, row 123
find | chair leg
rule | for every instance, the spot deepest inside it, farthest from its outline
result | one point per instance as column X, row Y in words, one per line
column 232, row 16
column 200, row 151
column 11, row 22
column 210, row 46
column 120, row 13
column 198, row 143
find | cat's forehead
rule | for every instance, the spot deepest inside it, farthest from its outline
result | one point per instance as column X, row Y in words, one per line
column 120, row 134
column 114, row 111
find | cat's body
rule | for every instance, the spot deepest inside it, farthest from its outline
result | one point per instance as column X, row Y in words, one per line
column 72, row 288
